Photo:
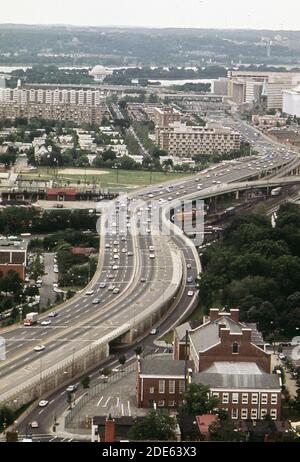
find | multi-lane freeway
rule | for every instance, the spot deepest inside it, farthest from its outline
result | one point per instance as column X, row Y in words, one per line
column 126, row 265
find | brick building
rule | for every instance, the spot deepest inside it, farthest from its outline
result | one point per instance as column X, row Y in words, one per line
column 224, row 354
column 160, row 382
column 13, row 257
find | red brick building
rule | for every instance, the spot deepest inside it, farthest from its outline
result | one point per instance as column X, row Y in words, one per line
column 160, row 383
column 224, row 354
column 13, row 257
column 61, row 194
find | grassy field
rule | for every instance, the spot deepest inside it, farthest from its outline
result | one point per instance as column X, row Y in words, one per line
column 109, row 178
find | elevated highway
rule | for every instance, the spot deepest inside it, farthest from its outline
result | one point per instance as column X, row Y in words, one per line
column 83, row 333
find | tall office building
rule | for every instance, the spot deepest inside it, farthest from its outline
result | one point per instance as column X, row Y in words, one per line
column 249, row 86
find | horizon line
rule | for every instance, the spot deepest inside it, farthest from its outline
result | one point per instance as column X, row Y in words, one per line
column 124, row 26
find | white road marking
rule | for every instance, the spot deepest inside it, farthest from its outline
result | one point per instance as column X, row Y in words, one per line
column 99, row 402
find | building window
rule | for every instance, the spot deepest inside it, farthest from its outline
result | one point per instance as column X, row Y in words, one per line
column 264, row 398
column 254, row 414
column 254, row 398
column 235, row 398
column 274, row 399
column 172, row 387
column 244, row 398
column 161, row 403
column 172, row 403
column 162, row 386
column 263, row 413
column 235, row 348
column 151, row 390
column 225, row 399
column 234, row 414
column 181, row 386
column 273, row 414
column 244, row 414
column 216, row 395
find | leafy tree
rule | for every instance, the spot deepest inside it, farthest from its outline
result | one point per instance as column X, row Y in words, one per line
column 197, row 400
column 85, row 382
column 6, row 417
column 155, row 426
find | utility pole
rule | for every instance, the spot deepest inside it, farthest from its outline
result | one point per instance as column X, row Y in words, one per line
column 186, row 360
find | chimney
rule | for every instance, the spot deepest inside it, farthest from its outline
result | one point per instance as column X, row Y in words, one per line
column 214, row 314
column 110, row 430
column 246, row 335
column 234, row 314
column 224, row 333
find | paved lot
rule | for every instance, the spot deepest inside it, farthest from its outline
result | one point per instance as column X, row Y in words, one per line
column 118, row 400
column 290, row 382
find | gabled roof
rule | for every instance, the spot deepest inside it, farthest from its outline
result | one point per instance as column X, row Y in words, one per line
column 163, row 367
column 207, row 335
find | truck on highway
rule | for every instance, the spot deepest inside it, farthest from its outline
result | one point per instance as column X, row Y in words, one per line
column 31, row 319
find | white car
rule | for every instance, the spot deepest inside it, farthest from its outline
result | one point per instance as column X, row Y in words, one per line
column 152, row 256
column 116, row 291
column 34, row 424
column 116, row 257
column 43, row 403
column 39, row 348
column 190, row 293
column 115, row 267
column 111, row 288
column 110, row 276
column 46, row 323
column 89, row 292
column 103, row 285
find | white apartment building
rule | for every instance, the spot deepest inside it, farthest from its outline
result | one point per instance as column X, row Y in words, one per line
column 249, row 86
column 57, row 96
column 291, row 102
column 180, row 140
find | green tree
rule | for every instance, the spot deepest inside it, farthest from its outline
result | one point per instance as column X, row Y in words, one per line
column 197, row 401
column 155, row 426
column 6, row 417
column 85, row 382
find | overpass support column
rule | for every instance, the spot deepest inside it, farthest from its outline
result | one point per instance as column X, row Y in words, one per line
column 237, row 195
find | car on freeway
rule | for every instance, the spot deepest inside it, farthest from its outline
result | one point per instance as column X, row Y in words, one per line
column 116, row 243
column 96, row 301
column 39, row 348
column 190, row 293
column 107, row 246
column 111, row 288
column 143, row 280
column 130, row 254
column 53, row 314
column 124, row 250
column 116, row 257
column 71, row 388
column 115, row 267
column 190, row 280
column 89, row 292
column 152, row 256
column 116, row 291
column 153, row 332
column 110, row 276
column 103, row 284
column 189, row 266
column 43, row 403
column 34, row 424
column 46, row 323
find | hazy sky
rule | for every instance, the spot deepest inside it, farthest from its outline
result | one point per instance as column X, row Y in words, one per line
column 254, row 14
